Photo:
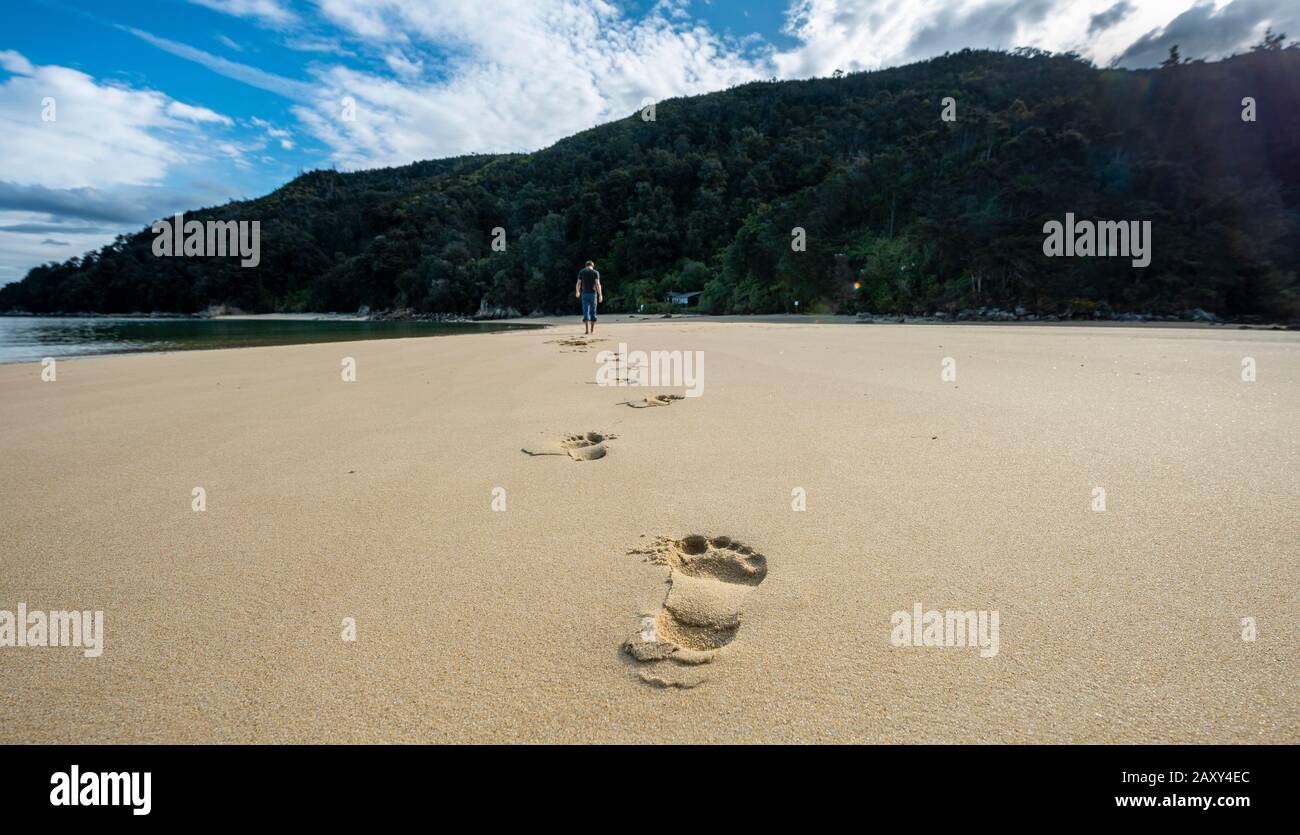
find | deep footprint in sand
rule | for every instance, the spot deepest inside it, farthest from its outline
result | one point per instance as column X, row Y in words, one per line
column 584, row 446
column 579, row 344
column 653, row 400
column 708, row 581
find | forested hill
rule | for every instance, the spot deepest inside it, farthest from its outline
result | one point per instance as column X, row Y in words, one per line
column 925, row 214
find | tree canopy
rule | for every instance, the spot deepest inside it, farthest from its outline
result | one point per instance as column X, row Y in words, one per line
column 901, row 211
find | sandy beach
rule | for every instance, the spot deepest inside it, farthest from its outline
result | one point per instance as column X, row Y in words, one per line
column 374, row 500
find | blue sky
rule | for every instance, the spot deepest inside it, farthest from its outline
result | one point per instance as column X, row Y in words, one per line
column 113, row 114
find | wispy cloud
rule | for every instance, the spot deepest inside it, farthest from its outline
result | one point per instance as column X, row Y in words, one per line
column 280, row 135
column 314, row 43
column 270, row 12
column 196, row 114
column 231, row 69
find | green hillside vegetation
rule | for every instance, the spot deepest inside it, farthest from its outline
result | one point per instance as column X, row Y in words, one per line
column 925, row 215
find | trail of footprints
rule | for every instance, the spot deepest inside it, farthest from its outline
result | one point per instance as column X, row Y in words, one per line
column 590, row 446
column 708, row 577
column 708, row 582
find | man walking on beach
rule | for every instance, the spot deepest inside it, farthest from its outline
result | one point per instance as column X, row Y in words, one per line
column 588, row 291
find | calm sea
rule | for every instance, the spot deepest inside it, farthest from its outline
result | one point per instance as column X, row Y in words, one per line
column 32, row 338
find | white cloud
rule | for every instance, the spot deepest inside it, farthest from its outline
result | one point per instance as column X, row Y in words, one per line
column 403, row 66
column 521, row 74
column 313, row 43
column 271, row 12
column 109, row 155
column 99, row 134
column 196, row 114
column 251, row 76
column 870, row 34
column 282, row 136
column 15, row 63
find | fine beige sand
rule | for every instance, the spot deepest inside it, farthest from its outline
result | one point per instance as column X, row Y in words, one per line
column 670, row 525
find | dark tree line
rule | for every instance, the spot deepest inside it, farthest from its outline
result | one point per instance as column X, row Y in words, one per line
column 919, row 213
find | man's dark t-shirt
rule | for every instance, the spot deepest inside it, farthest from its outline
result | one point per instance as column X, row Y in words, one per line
column 588, row 277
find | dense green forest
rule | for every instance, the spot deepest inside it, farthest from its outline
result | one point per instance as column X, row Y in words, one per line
column 922, row 214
